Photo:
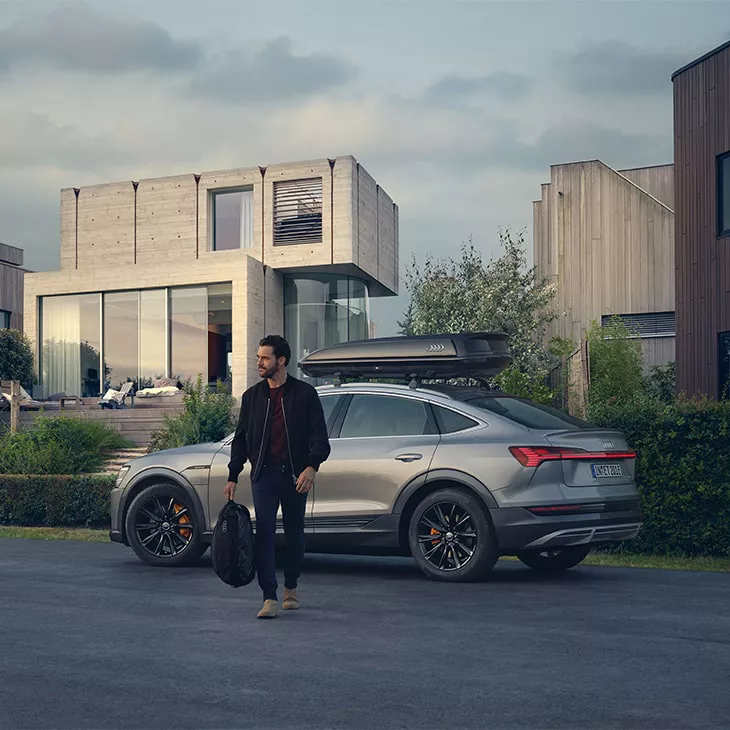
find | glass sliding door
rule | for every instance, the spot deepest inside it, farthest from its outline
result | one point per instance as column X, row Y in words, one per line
column 220, row 329
column 121, row 338
column 189, row 333
column 153, row 337
column 71, row 345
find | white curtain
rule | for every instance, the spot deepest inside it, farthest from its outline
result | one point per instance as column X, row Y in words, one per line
column 247, row 219
column 62, row 345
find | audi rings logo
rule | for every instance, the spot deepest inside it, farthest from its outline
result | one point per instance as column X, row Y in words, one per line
column 435, row 348
column 608, row 445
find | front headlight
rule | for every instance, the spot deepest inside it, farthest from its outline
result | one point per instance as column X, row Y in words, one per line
column 122, row 473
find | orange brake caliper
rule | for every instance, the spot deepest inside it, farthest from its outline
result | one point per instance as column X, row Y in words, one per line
column 184, row 520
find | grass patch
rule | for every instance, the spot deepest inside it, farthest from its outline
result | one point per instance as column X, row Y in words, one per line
column 660, row 562
column 55, row 533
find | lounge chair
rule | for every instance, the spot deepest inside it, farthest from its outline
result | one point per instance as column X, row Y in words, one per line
column 26, row 401
column 116, row 398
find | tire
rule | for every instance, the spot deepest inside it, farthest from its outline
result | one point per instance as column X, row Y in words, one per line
column 555, row 559
column 164, row 511
column 466, row 554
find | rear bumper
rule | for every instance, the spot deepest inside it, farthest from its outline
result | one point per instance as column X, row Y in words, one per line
column 518, row 529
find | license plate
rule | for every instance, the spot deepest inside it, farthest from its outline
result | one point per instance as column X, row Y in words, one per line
column 606, row 471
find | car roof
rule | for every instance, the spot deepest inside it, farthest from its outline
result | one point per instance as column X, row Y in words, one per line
column 462, row 393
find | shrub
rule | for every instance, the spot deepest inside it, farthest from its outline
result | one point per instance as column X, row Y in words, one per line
column 58, row 446
column 55, row 501
column 16, row 357
column 516, row 382
column 208, row 416
column 682, row 472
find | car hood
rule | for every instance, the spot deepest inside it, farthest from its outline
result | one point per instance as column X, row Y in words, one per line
column 179, row 459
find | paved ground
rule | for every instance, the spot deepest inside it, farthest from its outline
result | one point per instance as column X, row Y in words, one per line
column 92, row 638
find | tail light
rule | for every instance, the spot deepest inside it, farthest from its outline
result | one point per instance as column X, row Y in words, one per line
column 533, row 456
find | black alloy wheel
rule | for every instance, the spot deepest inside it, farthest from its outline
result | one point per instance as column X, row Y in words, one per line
column 551, row 560
column 451, row 537
column 162, row 527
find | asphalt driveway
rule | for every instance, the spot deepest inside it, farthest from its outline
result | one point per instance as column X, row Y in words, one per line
column 92, row 638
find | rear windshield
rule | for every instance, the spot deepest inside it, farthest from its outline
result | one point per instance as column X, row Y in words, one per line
column 526, row 413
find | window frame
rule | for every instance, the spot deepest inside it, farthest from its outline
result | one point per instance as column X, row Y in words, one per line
column 723, row 226
column 213, row 193
column 344, row 407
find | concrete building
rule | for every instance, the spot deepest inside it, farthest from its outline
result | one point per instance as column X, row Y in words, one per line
column 702, row 159
column 605, row 238
column 11, row 287
column 176, row 276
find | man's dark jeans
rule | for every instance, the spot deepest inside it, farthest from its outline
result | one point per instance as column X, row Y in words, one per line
column 276, row 486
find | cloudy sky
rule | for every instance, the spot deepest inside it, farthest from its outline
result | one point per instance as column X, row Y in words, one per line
column 457, row 108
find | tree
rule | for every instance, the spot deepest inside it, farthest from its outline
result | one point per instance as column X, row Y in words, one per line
column 503, row 295
column 16, row 357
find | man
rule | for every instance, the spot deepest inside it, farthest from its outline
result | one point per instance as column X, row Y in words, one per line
column 283, row 433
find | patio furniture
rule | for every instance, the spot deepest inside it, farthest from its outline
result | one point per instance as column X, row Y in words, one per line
column 116, row 398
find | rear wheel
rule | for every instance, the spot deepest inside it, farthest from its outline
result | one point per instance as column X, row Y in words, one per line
column 554, row 559
column 451, row 537
column 162, row 527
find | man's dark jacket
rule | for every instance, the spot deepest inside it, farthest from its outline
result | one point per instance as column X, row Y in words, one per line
column 306, row 428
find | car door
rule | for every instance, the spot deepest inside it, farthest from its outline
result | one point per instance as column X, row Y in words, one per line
column 380, row 442
column 219, row 474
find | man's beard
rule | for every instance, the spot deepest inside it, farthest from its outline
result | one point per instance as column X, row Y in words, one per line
column 268, row 373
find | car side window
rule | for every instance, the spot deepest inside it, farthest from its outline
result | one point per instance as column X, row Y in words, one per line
column 329, row 404
column 450, row 421
column 383, row 415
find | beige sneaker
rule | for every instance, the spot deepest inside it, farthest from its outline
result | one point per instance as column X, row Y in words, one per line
column 269, row 610
column 291, row 602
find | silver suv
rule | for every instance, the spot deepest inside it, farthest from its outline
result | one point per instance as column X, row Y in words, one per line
column 453, row 476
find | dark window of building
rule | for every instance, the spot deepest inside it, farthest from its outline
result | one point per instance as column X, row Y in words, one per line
column 298, row 212
column 649, row 324
column 4, row 320
column 723, row 195
column 724, row 365
column 232, row 216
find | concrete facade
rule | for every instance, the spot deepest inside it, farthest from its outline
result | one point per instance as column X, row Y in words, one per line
column 157, row 233
column 605, row 239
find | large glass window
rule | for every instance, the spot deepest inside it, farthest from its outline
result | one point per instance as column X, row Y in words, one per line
column 382, row 415
column 189, row 332
column 121, row 338
column 232, row 215
column 71, row 345
column 723, row 194
column 321, row 311
column 220, row 332
column 152, row 336
column 4, row 319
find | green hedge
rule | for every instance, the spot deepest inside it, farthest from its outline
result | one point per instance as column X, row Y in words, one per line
column 55, row 501
column 683, row 474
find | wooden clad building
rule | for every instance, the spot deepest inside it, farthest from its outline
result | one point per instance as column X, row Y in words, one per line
column 702, row 180
column 605, row 238
column 11, row 287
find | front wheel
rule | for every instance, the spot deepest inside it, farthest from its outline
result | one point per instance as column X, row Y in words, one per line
column 451, row 537
column 162, row 527
column 554, row 559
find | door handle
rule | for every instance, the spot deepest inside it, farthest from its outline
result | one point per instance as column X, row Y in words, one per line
column 408, row 457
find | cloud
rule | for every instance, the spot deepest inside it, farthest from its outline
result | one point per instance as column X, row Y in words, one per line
column 272, row 74
column 455, row 89
column 33, row 140
column 75, row 36
column 615, row 67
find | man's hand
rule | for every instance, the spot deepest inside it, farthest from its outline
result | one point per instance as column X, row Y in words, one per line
column 306, row 480
column 230, row 490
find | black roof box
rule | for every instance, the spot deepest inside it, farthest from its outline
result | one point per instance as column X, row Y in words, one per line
column 476, row 355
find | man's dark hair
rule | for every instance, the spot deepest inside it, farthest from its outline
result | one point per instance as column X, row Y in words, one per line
column 279, row 345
